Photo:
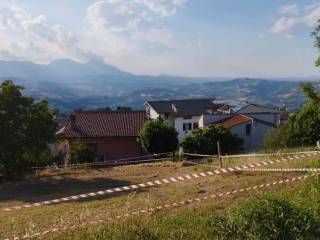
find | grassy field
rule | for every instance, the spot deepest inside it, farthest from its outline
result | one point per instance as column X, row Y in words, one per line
column 169, row 224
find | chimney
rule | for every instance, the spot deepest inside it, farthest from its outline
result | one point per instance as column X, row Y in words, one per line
column 174, row 108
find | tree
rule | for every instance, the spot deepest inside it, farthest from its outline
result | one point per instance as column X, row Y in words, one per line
column 81, row 153
column 26, row 128
column 204, row 141
column 158, row 136
column 303, row 128
column 316, row 35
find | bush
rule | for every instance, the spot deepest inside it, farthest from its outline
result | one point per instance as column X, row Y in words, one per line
column 204, row 141
column 273, row 218
column 158, row 136
column 81, row 153
column 276, row 138
column 304, row 126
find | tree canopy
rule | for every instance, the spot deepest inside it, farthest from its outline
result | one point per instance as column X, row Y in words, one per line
column 26, row 128
column 158, row 136
column 303, row 127
column 204, row 141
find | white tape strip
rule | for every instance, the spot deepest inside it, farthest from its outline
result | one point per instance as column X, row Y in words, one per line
column 283, row 170
column 144, row 185
column 162, row 207
column 270, row 154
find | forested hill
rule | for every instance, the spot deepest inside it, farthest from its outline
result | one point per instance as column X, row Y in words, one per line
column 69, row 85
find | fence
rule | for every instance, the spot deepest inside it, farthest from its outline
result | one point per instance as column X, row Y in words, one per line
column 115, row 162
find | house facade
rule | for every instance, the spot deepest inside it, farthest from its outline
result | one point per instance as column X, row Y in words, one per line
column 251, row 122
column 252, row 130
column 183, row 115
column 113, row 134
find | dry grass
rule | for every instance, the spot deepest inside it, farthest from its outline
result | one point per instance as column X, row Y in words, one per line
column 49, row 185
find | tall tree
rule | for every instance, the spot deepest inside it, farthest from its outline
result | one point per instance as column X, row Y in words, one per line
column 316, row 35
column 158, row 136
column 304, row 127
column 26, row 127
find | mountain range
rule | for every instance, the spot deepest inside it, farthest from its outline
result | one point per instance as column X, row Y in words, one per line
column 69, row 85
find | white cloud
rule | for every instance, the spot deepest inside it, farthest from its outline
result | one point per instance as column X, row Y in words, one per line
column 312, row 18
column 124, row 32
column 284, row 25
column 127, row 25
column 288, row 9
column 20, row 31
column 165, row 8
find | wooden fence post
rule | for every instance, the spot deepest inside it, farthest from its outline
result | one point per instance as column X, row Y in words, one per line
column 219, row 154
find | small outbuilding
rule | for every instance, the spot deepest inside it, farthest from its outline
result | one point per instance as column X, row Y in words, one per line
column 113, row 134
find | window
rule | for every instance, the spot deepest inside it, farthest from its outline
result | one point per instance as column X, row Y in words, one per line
column 166, row 115
column 248, row 129
column 187, row 126
column 195, row 125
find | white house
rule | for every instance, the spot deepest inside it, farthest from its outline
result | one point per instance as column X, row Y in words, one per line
column 184, row 115
column 251, row 122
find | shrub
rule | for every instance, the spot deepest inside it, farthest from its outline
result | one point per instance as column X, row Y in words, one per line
column 204, row 141
column 304, row 126
column 158, row 136
column 273, row 218
column 276, row 138
column 81, row 153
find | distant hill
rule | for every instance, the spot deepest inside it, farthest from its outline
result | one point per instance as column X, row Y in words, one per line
column 68, row 85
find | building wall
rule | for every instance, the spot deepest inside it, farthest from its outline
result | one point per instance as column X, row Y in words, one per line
column 254, row 141
column 116, row 148
column 178, row 124
column 152, row 113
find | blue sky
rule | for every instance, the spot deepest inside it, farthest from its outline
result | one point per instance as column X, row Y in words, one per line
column 237, row 38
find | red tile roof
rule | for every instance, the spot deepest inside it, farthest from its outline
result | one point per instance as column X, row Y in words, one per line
column 101, row 124
column 239, row 119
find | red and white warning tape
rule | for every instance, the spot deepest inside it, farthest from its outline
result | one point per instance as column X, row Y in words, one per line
column 156, row 182
column 266, row 154
column 283, row 170
column 162, row 207
column 248, row 155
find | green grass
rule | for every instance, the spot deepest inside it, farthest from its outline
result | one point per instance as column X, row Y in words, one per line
column 203, row 221
column 190, row 222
